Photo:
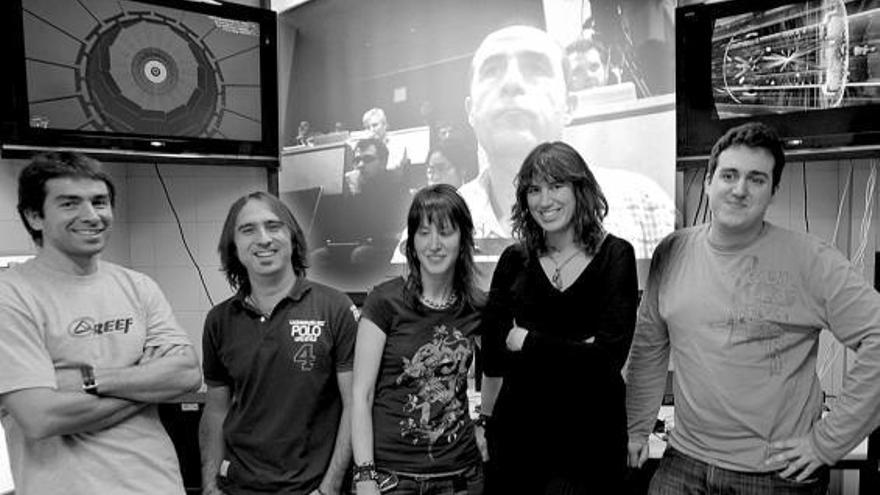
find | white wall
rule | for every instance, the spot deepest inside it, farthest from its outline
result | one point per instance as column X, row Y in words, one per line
column 201, row 196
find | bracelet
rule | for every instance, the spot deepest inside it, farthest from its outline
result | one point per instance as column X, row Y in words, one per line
column 320, row 492
column 364, row 472
column 482, row 420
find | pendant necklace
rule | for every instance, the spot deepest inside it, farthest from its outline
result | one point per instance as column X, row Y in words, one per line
column 557, row 275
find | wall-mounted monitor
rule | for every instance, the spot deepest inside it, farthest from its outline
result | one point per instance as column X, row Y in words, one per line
column 809, row 68
column 154, row 80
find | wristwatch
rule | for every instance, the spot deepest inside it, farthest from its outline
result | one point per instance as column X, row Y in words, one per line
column 90, row 386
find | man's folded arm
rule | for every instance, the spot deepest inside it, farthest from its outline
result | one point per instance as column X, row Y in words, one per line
column 164, row 373
column 44, row 412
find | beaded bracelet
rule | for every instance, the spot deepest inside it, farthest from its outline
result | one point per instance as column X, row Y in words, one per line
column 364, row 472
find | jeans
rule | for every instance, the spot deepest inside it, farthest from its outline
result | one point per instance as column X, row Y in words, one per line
column 679, row 474
column 466, row 482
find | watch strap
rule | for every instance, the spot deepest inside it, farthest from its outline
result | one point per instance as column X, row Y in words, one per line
column 89, row 386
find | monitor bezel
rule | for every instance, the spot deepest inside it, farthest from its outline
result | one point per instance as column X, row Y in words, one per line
column 19, row 139
column 838, row 132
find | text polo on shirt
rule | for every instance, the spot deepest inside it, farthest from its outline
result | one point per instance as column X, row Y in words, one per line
column 306, row 330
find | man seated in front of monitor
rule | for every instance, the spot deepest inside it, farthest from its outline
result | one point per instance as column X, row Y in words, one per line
column 360, row 227
column 376, row 124
column 588, row 64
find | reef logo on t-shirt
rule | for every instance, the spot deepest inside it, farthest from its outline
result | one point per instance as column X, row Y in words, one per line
column 306, row 330
column 85, row 326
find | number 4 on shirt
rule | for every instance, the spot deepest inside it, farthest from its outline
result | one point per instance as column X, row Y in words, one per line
column 305, row 357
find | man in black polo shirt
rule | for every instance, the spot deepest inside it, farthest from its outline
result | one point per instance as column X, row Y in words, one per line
column 277, row 359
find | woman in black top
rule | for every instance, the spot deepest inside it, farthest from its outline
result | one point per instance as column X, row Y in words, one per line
column 416, row 340
column 557, row 329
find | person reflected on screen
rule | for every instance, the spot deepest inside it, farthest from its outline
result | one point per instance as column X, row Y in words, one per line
column 589, row 64
column 738, row 305
column 416, row 339
column 450, row 162
column 368, row 171
column 556, row 332
column 304, row 133
column 376, row 125
column 518, row 99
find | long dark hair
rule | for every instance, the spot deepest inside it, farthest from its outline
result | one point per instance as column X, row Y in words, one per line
column 441, row 205
column 559, row 162
column 236, row 273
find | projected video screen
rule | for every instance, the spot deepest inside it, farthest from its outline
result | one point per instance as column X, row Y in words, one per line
column 808, row 56
column 603, row 82
column 127, row 67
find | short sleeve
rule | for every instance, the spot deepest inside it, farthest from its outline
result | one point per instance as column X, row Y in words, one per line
column 345, row 331
column 214, row 370
column 377, row 309
column 162, row 327
column 24, row 359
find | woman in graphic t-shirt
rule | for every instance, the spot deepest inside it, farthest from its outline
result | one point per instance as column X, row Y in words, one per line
column 416, row 339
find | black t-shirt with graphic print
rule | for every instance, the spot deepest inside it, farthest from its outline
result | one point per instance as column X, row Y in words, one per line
column 420, row 409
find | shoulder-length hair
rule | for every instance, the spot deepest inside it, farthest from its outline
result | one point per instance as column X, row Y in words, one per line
column 236, row 273
column 559, row 162
column 441, row 205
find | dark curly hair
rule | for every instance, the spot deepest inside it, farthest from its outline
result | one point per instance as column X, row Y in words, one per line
column 236, row 273
column 559, row 162
column 440, row 205
column 751, row 135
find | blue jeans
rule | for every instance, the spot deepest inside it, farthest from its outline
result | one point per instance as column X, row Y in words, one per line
column 679, row 474
column 465, row 482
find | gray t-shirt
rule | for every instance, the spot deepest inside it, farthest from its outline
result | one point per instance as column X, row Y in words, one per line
column 743, row 329
column 50, row 319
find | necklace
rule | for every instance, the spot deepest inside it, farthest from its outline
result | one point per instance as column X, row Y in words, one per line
column 253, row 302
column 447, row 301
column 557, row 275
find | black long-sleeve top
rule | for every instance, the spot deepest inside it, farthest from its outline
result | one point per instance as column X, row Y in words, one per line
column 563, row 395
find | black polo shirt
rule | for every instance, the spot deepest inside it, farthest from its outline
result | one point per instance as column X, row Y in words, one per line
column 281, row 426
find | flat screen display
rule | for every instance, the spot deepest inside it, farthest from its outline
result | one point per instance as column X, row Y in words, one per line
column 422, row 64
column 120, row 78
column 809, row 68
column 131, row 67
column 814, row 55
